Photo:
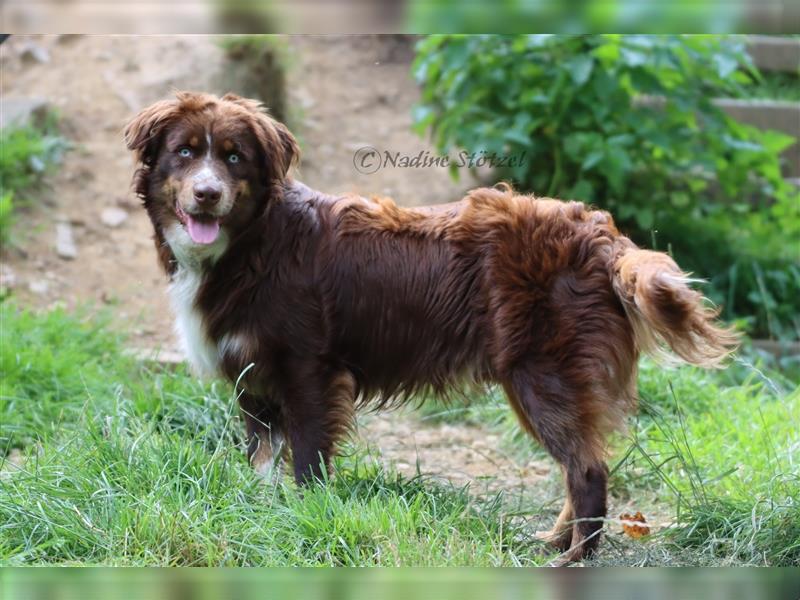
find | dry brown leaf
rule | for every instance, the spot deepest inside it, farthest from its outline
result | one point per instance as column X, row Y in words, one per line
column 634, row 525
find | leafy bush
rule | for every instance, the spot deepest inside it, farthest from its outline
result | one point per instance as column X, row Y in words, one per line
column 26, row 154
column 628, row 123
column 529, row 16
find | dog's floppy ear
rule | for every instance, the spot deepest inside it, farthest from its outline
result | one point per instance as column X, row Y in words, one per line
column 289, row 153
column 141, row 134
column 278, row 144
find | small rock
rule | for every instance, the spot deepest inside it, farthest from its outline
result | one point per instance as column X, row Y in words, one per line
column 22, row 111
column 8, row 278
column 38, row 286
column 113, row 217
column 65, row 243
column 33, row 52
column 305, row 99
column 36, row 164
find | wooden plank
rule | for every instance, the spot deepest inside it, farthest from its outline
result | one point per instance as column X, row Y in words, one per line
column 774, row 53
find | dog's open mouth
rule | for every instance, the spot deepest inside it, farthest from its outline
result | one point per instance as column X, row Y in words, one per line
column 202, row 228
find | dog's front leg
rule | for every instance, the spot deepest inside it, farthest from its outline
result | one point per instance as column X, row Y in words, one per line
column 265, row 428
column 319, row 410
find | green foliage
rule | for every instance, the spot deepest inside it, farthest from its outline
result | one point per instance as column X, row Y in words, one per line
column 26, row 155
column 585, row 112
column 526, row 16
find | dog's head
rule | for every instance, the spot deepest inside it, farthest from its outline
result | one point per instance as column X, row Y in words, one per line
column 209, row 166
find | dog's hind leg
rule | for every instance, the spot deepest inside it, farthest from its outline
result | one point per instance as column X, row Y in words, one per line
column 553, row 412
column 560, row 536
column 266, row 445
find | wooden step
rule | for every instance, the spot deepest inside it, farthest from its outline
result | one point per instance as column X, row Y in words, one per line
column 783, row 116
column 770, row 114
column 774, row 53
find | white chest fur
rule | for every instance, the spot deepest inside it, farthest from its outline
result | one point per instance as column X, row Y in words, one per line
column 202, row 354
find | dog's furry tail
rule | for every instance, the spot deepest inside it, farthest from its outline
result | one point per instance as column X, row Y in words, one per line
column 666, row 313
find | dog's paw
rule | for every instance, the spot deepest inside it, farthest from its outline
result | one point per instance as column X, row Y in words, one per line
column 268, row 460
column 561, row 541
column 568, row 559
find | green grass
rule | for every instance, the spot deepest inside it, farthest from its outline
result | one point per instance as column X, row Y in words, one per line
column 728, row 455
column 129, row 465
column 773, row 86
column 27, row 153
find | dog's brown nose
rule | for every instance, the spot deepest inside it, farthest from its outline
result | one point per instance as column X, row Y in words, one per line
column 207, row 194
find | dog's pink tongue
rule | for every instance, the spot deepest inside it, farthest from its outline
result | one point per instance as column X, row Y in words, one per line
column 202, row 232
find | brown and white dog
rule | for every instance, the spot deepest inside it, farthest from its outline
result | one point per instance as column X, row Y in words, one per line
column 337, row 301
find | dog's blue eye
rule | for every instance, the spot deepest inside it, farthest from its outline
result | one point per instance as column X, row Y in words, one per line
column 233, row 158
column 185, row 152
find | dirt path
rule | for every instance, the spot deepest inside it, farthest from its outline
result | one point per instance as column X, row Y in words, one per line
column 459, row 453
